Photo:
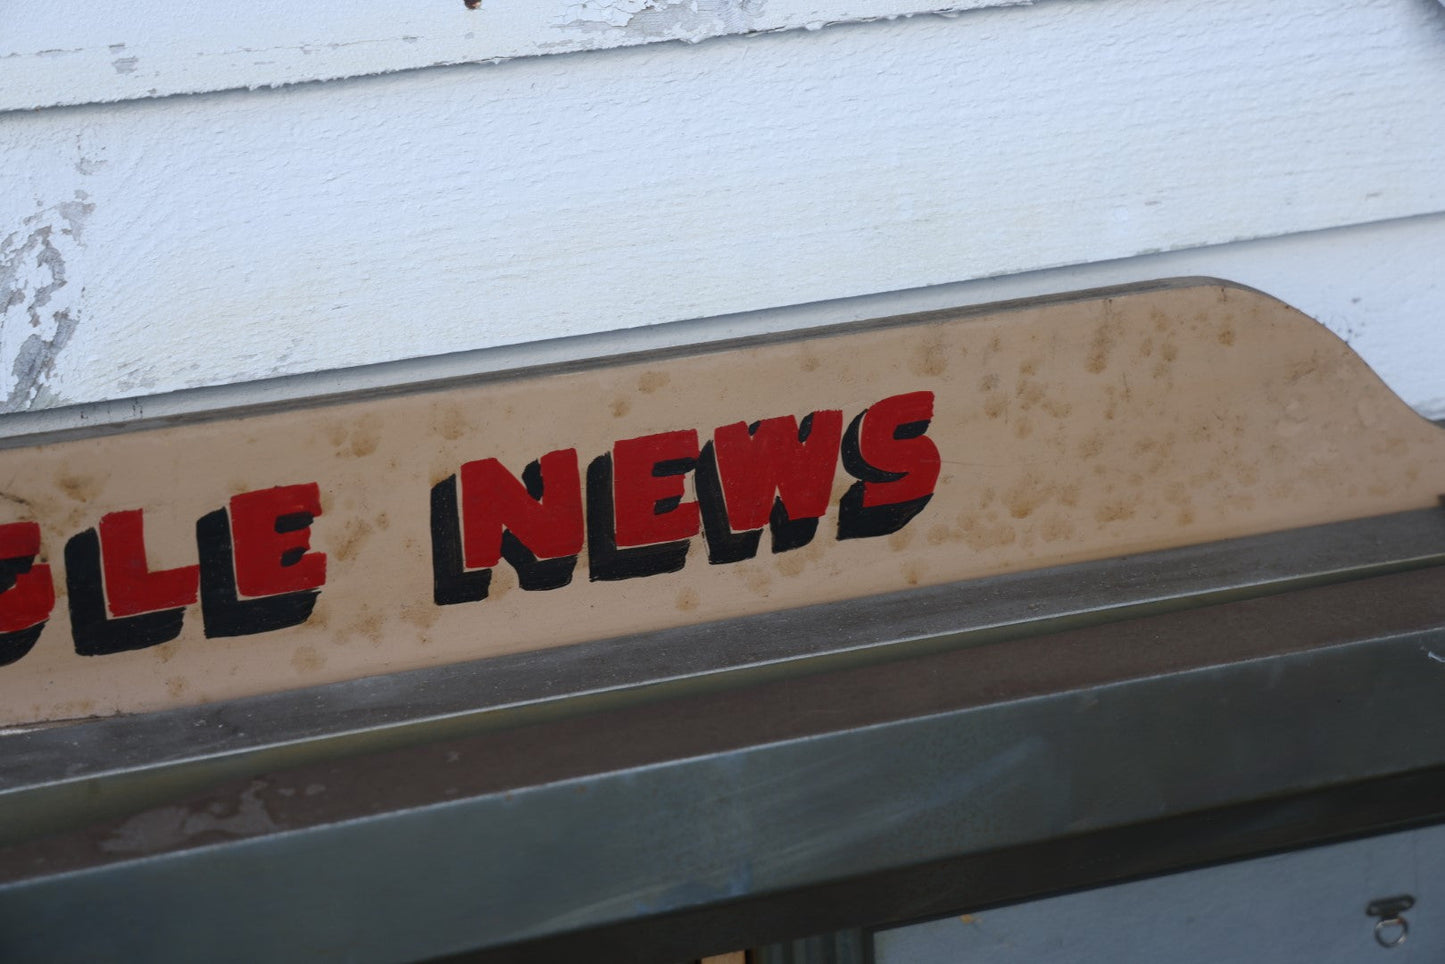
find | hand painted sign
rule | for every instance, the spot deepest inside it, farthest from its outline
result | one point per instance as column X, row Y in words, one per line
column 171, row 565
column 776, row 473
column 256, row 571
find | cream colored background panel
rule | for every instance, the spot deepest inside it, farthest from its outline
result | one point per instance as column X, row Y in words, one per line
column 1067, row 431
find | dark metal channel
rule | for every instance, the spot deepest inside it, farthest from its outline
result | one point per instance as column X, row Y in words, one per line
column 846, row 912
column 61, row 777
column 683, row 807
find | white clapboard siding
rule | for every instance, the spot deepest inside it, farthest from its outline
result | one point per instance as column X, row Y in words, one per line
column 55, row 53
column 197, row 240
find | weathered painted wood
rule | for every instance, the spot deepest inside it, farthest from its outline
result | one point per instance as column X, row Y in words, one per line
column 1037, row 434
column 202, row 240
column 60, row 54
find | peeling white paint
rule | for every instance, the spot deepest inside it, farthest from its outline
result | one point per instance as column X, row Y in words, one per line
column 1283, row 144
column 689, row 20
column 53, row 55
column 40, row 308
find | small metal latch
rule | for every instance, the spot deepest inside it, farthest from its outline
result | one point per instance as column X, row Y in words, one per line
column 1391, row 929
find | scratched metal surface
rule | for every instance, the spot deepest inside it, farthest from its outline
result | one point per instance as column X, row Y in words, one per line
column 54, row 778
column 665, row 815
column 1305, row 907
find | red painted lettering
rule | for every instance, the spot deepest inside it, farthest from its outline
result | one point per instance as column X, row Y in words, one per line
column 770, row 461
column 891, row 441
column 896, row 464
column 271, row 534
column 29, row 599
column 648, row 486
column 130, row 586
column 547, row 519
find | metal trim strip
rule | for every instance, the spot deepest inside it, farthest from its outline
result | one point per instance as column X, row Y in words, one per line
column 58, row 776
column 694, row 802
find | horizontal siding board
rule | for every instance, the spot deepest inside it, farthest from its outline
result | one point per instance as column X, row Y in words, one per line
column 218, row 238
column 62, row 54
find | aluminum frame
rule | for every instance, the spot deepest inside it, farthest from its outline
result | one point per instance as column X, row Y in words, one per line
column 1261, row 694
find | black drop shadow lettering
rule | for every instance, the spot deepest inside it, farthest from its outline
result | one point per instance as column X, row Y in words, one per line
column 856, row 521
column 223, row 612
column 789, row 533
column 94, row 632
column 535, row 574
column 605, row 561
column 723, row 544
column 451, row 582
column 17, row 643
